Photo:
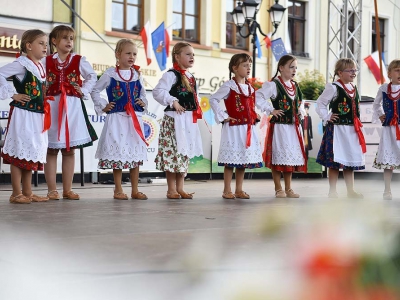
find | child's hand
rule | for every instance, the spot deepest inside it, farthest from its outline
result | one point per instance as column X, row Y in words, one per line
column 21, row 98
column 179, row 109
column 382, row 118
column 334, row 117
column 109, row 107
column 229, row 119
column 78, row 89
column 140, row 102
column 277, row 113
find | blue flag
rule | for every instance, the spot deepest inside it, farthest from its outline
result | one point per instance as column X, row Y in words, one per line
column 259, row 53
column 158, row 39
column 278, row 48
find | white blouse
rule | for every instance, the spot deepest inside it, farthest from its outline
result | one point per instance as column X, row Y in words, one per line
column 377, row 105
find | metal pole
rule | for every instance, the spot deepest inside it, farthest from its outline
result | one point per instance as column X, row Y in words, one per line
column 254, row 54
column 378, row 39
column 82, row 167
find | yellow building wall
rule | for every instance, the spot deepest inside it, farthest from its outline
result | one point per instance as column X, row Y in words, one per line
column 61, row 13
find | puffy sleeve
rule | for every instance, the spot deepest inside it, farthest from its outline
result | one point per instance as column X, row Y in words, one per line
column 99, row 102
column 377, row 108
column 263, row 96
column 143, row 94
column 11, row 69
column 323, row 101
column 161, row 91
column 222, row 93
column 89, row 76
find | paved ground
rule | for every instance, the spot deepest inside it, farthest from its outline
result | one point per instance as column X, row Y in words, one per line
column 206, row 248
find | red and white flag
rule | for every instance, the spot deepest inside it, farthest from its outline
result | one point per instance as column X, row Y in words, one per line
column 167, row 40
column 147, row 44
column 267, row 40
column 372, row 62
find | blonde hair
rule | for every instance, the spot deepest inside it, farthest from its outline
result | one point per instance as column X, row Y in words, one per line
column 343, row 64
column 178, row 48
column 30, row 36
column 121, row 44
column 57, row 33
column 237, row 59
column 394, row 64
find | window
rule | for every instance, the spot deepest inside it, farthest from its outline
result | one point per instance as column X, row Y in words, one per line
column 186, row 20
column 375, row 37
column 127, row 15
column 297, row 20
column 233, row 38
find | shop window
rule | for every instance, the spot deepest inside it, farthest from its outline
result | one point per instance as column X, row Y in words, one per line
column 127, row 15
column 186, row 20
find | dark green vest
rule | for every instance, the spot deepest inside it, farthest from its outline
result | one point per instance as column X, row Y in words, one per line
column 178, row 90
column 32, row 87
column 342, row 105
column 284, row 102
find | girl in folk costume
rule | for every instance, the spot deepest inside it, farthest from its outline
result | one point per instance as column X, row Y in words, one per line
column 179, row 138
column 284, row 150
column 25, row 144
column 70, row 126
column 122, row 144
column 343, row 144
column 239, row 147
column 387, row 110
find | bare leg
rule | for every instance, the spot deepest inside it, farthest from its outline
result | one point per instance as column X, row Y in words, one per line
column 50, row 169
column 239, row 174
column 180, row 179
column 117, row 174
column 276, row 176
column 349, row 180
column 387, row 177
column 287, row 177
column 134, row 175
column 171, row 182
column 27, row 182
column 228, row 173
column 16, row 176
column 68, row 165
column 333, row 179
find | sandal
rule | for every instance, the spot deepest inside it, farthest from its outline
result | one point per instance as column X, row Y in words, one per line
column 53, row 195
column 173, row 196
column 139, row 196
column 21, row 199
column 120, row 196
column 387, row 196
column 280, row 194
column 291, row 194
column 242, row 195
column 36, row 198
column 70, row 195
column 185, row 195
column 228, row 195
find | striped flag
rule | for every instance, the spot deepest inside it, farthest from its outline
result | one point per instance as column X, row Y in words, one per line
column 372, row 62
column 146, row 38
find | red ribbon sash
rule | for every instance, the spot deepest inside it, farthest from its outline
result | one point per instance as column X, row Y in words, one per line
column 61, row 108
column 358, row 125
column 130, row 111
column 394, row 121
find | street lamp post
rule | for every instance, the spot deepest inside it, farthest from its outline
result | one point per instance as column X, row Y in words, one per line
column 245, row 14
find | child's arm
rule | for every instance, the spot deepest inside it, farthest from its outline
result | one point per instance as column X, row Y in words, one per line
column 161, row 91
column 219, row 114
column 378, row 114
column 263, row 94
column 101, row 105
column 8, row 91
column 89, row 76
column 323, row 101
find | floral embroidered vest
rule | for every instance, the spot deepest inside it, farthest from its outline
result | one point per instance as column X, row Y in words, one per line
column 178, row 90
column 67, row 77
column 241, row 108
column 283, row 102
column 121, row 93
column 342, row 105
column 388, row 108
column 32, row 87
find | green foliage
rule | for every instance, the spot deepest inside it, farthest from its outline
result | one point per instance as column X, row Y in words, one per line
column 311, row 83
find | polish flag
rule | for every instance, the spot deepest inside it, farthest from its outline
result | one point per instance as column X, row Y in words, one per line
column 267, row 40
column 372, row 62
column 146, row 38
column 167, row 41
